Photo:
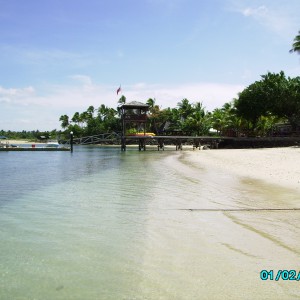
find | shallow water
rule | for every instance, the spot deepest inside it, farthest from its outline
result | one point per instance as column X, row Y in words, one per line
column 103, row 224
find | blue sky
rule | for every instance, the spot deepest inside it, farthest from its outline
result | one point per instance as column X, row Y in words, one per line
column 61, row 56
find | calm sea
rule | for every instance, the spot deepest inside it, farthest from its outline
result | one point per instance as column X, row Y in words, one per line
column 99, row 223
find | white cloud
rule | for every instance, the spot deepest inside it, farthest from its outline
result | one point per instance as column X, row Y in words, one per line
column 28, row 109
column 276, row 16
column 212, row 95
column 16, row 95
column 86, row 80
column 261, row 11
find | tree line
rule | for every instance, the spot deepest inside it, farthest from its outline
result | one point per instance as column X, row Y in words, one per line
column 272, row 100
column 258, row 109
column 31, row 135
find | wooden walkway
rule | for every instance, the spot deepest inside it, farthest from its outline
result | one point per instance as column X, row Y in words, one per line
column 104, row 138
column 201, row 142
column 37, row 149
column 178, row 141
column 143, row 140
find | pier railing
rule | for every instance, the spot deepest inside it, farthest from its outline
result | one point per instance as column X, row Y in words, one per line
column 103, row 138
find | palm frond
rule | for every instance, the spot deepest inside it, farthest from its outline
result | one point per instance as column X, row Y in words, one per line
column 296, row 44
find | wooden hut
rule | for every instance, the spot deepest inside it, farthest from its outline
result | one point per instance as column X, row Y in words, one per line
column 134, row 118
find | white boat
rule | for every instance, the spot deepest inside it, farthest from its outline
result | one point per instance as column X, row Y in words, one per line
column 52, row 144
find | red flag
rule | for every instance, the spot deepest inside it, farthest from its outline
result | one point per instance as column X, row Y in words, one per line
column 118, row 90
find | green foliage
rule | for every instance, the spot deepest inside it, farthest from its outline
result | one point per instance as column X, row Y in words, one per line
column 122, row 100
column 92, row 121
column 274, row 95
column 226, row 120
column 273, row 99
column 194, row 118
column 252, row 102
column 64, row 121
column 296, row 44
column 30, row 135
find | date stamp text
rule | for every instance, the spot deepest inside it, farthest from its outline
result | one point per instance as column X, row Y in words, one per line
column 280, row 275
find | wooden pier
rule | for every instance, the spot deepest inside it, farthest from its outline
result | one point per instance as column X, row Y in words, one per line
column 36, row 149
column 199, row 142
column 49, row 146
column 211, row 142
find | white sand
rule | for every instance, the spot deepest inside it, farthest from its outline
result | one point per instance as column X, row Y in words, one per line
column 220, row 254
column 18, row 142
column 274, row 165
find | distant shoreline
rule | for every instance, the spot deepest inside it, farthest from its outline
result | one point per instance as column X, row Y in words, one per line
column 12, row 141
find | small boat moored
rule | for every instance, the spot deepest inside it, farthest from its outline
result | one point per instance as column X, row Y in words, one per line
column 52, row 144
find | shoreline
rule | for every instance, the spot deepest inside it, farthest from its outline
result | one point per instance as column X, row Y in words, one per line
column 277, row 166
column 11, row 141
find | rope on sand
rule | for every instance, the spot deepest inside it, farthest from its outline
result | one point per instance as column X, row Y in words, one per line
column 239, row 209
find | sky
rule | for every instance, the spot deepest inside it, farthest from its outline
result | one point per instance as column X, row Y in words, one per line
column 61, row 56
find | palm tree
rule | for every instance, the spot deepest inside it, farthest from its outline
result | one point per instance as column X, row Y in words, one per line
column 185, row 108
column 296, row 45
column 90, row 111
column 197, row 122
column 64, row 121
column 76, row 118
column 103, row 112
column 154, row 114
column 218, row 120
column 122, row 100
column 84, row 117
column 151, row 103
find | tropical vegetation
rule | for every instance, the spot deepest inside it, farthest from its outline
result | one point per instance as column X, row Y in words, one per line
column 33, row 135
column 272, row 100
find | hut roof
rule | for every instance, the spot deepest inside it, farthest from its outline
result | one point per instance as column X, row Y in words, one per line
column 135, row 104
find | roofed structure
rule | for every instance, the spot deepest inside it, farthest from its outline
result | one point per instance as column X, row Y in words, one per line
column 134, row 118
column 135, row 105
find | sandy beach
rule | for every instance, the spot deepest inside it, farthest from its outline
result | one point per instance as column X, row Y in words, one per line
column 278, row 166
column 19, row 142
column 238, row 216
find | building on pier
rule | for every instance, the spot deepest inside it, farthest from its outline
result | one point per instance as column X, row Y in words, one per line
column 134, row 118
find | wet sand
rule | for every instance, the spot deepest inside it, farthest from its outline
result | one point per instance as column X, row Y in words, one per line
column 214, row 245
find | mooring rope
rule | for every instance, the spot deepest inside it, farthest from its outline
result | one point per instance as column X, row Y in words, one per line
column 239, row 209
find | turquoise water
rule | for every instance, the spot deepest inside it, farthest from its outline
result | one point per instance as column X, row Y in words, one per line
column 66, row 221
column 103, row 224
